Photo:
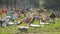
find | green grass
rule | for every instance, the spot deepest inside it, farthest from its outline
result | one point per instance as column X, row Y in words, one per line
column 47, row 29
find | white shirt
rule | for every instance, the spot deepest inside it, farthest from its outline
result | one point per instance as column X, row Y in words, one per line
column 15, row 15
column 5, row 18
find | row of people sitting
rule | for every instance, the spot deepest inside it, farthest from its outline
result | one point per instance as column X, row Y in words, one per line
column 29, row 18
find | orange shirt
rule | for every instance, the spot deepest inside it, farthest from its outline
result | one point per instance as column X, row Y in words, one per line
column 0, row 11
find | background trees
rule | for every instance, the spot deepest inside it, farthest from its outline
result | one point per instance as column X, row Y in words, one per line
column 52, row 4
column 26, row 3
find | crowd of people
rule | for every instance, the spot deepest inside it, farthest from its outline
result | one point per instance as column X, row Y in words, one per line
column 12, row 14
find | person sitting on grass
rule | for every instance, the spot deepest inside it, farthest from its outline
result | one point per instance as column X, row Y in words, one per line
column 14, row 16
column 4, row 20
column 5, row 10
column 23, row 12
column 44, row 18
column 28, row 19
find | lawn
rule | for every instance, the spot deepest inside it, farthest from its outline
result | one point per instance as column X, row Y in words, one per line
column 47, row 29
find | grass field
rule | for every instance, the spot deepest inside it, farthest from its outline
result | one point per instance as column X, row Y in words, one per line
column 47, row 29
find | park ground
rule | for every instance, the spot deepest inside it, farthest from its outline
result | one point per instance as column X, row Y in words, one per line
column 45, row 29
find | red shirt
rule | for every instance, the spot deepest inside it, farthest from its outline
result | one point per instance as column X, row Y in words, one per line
column 27, row 20
column 5, row 10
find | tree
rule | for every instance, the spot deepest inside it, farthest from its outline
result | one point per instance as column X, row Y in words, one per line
column 52, row 4
column 0, row 1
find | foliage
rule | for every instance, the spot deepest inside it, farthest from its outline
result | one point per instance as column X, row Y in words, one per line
column 52, row 4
